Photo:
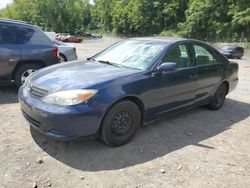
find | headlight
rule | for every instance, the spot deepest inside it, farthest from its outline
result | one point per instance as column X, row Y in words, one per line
column 70, row 97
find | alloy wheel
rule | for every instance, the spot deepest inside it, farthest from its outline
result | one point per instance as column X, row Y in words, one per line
column 26, row 74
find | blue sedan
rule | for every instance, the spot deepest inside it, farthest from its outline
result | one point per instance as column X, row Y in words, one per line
column 130, row 83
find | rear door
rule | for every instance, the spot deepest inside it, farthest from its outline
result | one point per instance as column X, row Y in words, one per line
column 9, row 51
column 42, row 48
column 209, row 69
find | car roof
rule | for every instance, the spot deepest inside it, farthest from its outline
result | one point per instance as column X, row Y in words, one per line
column 171, row 40
column 14, row 22
column 232, row 45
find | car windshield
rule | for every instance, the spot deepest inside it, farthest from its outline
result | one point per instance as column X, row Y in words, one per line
column 132, row 54
column 228, row 48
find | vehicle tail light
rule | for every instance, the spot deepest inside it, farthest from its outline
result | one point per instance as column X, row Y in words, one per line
column 55, row 52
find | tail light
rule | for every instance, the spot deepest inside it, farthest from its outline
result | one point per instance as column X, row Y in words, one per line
column 55, row 52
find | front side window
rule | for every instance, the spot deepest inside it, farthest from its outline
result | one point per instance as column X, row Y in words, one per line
column 7, row 35
column 203, row 56
column 180, row 55
column 133, row 53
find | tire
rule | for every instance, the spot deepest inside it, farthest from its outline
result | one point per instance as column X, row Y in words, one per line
column 238, row 57
column 120, row 124
column 21, row 73
column 62, row 58
column 218, row 99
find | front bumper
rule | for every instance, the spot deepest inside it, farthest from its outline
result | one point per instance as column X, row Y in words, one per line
column 60, row 122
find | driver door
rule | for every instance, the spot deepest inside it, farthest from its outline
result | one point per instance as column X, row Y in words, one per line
column 175, row 89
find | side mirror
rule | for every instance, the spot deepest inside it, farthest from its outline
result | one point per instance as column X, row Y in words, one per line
column 167, row 67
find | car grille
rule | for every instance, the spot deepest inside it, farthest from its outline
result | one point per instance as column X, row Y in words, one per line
column 37, row 92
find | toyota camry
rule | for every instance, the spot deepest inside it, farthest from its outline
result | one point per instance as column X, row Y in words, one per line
column 131, row 83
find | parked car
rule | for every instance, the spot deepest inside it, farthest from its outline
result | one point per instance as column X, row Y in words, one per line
column 66, row 52
column 87, row 35
column 233, row 52
column 83, row 34
column 24, row 48
column 65, row 37
column 71, row 38
column 61, row 36
column 133, row 82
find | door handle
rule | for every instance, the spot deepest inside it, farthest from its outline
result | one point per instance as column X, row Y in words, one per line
column 13, row 60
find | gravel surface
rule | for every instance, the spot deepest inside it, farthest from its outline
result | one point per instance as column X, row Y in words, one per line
column 197, row 148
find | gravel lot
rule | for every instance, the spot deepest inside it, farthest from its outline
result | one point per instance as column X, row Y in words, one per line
column 197, row 148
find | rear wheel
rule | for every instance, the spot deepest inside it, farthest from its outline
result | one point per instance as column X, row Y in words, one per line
column 23, row 72
column 120, row 124
column 62, row 58
column 219, row 98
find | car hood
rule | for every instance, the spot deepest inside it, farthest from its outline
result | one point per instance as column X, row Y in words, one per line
column 78, row 75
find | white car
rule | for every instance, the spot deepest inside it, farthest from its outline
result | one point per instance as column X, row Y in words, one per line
column 67, row 52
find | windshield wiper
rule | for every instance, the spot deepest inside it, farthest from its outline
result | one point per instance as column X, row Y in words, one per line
column 109, row 63
column 105, row 62
column 91, row 59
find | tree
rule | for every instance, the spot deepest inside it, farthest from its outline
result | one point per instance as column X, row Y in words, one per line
column 202, row 19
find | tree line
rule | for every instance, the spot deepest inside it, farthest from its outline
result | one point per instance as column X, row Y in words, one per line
column 211, row 20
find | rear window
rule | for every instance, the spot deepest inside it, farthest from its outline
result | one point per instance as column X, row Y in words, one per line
column 203, row 56
column 228, row 48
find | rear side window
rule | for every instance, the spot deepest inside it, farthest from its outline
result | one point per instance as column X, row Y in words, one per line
column 39, row 37
column 24, row 35
column 7, row 35
column 203, row 56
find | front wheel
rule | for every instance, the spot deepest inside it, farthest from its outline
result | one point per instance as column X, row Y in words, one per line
column 23, row 72
column 120, row 124
column 218, row 99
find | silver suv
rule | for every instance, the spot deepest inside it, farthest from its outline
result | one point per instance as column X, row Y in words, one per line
column 24, row 48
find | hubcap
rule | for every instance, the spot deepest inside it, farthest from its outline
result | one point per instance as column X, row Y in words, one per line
column 122, row 124
column 61, row 59
column 26, row 74
column 219, row 98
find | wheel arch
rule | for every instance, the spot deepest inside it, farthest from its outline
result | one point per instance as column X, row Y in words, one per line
column 21, row 63
column 135, row 99
column 64, row 56
column 227, row 85
column 226, row 82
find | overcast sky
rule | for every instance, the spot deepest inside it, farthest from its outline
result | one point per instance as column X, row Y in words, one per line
column 4, row 3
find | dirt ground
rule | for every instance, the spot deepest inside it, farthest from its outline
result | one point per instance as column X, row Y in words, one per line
column 197, row 148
